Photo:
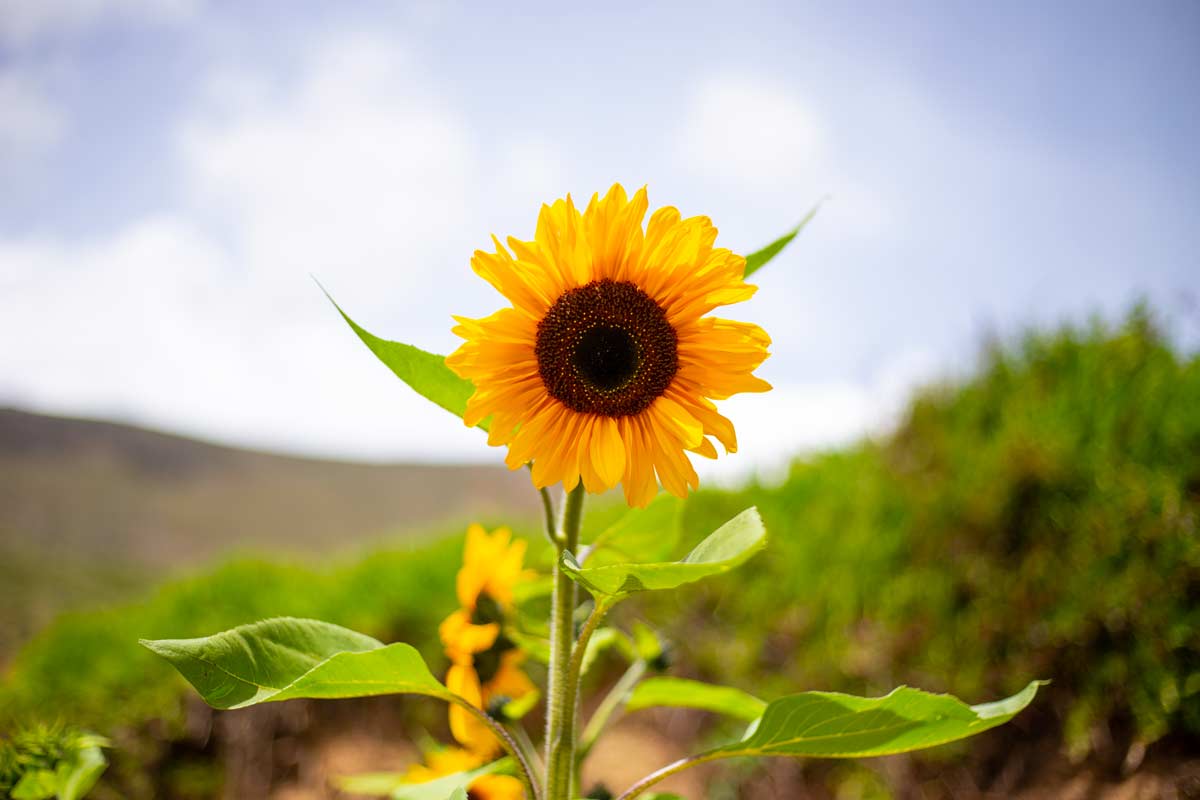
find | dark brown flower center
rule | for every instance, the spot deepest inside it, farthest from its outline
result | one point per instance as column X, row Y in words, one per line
column 606, row 348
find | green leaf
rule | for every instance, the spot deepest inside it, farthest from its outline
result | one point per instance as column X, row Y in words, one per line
column 758, row 259
column 397, row 786
column 36, row 784
column 831, row 725
column 647, row 644
column 449, row 786
column 458, row 794
column 76, row 778
column 601, row 640
column 280, row 659
column 425, row 372
column 728, row 547
column 682, row 693
column 516, row 709
column 641, row 535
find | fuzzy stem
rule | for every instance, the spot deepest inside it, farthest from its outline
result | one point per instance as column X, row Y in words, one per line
column 560, row 722
column 667, row 771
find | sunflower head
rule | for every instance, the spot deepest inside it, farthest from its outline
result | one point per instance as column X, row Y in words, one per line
column 495, row 682
column 492, row 566
column 605, row 367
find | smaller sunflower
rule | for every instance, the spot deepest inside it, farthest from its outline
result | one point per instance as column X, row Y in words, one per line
column 492, row 566
column 450, row 760
column 485, row 665
column 498, row 680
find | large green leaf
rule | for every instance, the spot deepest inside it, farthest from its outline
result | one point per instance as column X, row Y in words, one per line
column 728, row 547
column 831, row 725
column 280, row 659
column 642, row 535
column 425, row 372
column 682, row 693
column 759, row 258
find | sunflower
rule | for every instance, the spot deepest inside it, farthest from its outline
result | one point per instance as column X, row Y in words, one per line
column 448, row 761
column 605, row 367
column 485, row 665
column 492, row 566
column 489, row 683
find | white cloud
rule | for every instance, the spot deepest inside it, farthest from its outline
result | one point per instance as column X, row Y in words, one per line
column 205, row 319
column 26, row 21
column 29, row 122
column 352, row 168
column 769, row 144
column 750, row 131
column 146, row 325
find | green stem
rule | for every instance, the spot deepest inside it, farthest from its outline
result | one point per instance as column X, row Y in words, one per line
column 575, row 673
column 560, row 730
column 667, row 771
column 548, row 510
column 609, row 706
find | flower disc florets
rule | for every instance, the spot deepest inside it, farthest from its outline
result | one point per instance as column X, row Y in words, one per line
column 606, row 348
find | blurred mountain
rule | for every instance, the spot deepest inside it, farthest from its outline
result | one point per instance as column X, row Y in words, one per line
column 90, row 508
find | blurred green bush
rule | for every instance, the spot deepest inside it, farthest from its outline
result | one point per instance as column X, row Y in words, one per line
column 1037, row 521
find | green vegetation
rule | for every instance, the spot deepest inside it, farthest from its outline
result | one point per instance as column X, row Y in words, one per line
column 1039, row 520
column 50, row 761
column 88, row 667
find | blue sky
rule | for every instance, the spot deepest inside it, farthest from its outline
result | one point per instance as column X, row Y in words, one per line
column 175, row 170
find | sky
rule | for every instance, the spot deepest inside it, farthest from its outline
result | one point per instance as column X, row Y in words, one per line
column 174, row 174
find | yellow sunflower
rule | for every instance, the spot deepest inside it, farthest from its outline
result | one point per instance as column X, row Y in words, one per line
column 451, row 760
column 492, row 566
column 490, row 682
column 485, row 666
column 605, row 367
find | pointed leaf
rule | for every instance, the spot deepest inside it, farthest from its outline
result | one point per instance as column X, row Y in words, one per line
column 283, row 658
column 426, row 373
column 832, row 725
column 641, row 535
column 728, row 547
column 682, row 693
column 758, row 259
column 459, row 794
